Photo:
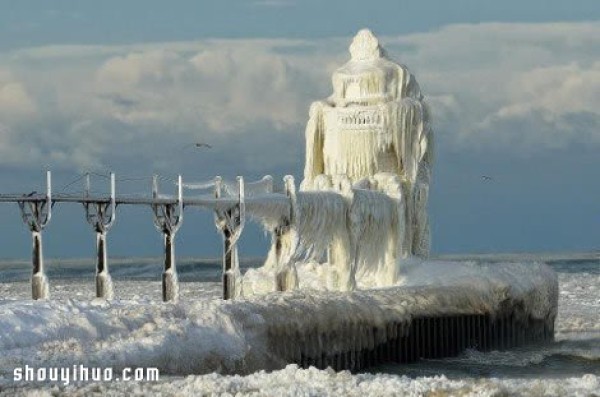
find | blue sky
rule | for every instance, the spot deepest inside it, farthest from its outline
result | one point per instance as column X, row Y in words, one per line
column 127, row 86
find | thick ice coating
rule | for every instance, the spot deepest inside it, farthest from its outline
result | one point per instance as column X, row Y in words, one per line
column 376, row 121
column 361, row 209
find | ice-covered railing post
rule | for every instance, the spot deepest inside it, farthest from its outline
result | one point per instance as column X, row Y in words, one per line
column 230, row 223
column 286, row 277
column 36, row 215
column 167, row 219
column 101, row 215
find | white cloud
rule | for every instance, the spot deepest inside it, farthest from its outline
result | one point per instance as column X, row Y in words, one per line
column 525, row 86
column 15, row 101
column 554, row 101
column 223, row 88
column 531, row 86
column 557, row 89
column 162, row 93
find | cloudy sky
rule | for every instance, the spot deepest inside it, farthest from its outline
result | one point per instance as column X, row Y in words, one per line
column 129, row 86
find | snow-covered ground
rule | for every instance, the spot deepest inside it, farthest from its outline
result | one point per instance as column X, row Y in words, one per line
column 192, row 337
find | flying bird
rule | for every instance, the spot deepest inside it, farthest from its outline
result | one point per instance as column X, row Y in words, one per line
column 196, row 145
column 487, row 178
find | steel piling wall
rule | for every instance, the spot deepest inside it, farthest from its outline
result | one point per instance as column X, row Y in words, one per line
column 429, row 337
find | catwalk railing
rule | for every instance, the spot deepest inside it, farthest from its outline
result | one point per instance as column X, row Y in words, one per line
column 230, row 204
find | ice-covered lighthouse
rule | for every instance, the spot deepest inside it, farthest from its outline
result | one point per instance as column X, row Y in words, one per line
column 361, row 209
column 373, row 132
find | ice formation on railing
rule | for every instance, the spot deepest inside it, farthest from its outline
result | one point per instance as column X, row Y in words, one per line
column 361, row 208
column 200, row 185
column 355, row 233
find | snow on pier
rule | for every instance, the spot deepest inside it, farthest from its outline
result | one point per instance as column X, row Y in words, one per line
column 485, row 306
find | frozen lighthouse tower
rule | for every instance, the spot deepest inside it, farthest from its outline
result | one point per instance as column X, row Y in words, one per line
column 373, row 132
column 361, row 208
